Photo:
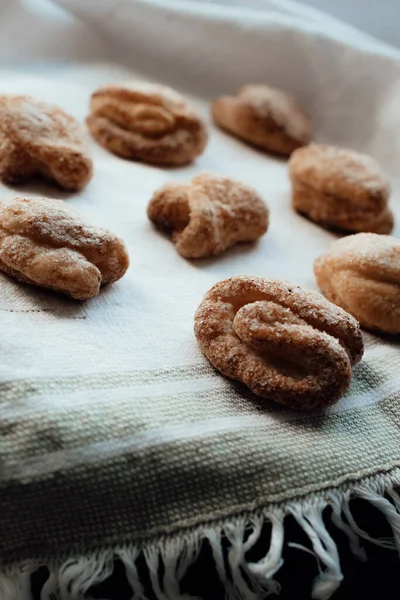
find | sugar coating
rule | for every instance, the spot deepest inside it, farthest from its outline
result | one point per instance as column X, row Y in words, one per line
column 361, row 273
column 147, row 122
column 41, row 139
column 285, row 343
column 340, row 188
column 209, row 214
column 46, row 243
column 265, row 116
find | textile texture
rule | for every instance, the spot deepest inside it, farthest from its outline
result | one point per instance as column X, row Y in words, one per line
column 117, row 436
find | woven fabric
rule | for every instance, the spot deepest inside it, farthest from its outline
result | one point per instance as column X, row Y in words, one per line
column 114, row 428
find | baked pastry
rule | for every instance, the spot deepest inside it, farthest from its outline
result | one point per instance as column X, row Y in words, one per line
column 41, row 139
column 361, row 273
column 146, row 122
column 46, row 243
column 340, row 188
column 285, row 343
column 209, row 214
column 264, row 116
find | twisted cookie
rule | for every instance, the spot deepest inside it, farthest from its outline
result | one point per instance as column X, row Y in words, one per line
column 361, row 273
column 209, row 214
column 283, row 342
column 340, row 188
column 41, row 139
column 45, row 243
column 266, row 117
column 147, row 122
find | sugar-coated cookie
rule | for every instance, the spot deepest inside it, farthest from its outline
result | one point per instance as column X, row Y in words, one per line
column 264, row 116
column 41, row 139
column 340, row 188
column 361, row 273
column 285, row 343
column 209, row 214
column 147, row 122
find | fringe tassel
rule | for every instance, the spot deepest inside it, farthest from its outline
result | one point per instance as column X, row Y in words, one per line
column 76, row 576
column 129, row 556
column 169, row 559
column 354, row 540
column 16, row 584
column 235, row 533
column 265, row 568
column 175, row 555
column 215, row 536
column 389, row 510
column 311, row 521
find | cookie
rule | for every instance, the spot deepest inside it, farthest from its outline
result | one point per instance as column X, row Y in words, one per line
column 208, row 215
column 285, row 343
column 361, row 273
column 46, row 243
column 41, row 139
column 266, row 117
column 147, row 122
column 340, row 188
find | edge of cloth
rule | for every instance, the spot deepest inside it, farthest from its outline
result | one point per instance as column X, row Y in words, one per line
column 230, row 540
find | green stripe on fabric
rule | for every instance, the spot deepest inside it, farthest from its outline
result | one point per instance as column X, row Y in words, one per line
column 24, row 388
column 241, row 470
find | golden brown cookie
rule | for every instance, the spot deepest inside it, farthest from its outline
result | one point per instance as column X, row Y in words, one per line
column 46, row 243
column 285, row 343
column 147, row 122
column 266, row 117
column 41, row 139
column 361, row 273
column 209, row 214
column 340, row 188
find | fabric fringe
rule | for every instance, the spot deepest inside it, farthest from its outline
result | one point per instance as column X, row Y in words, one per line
column 169, row 558
column 15, row 583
